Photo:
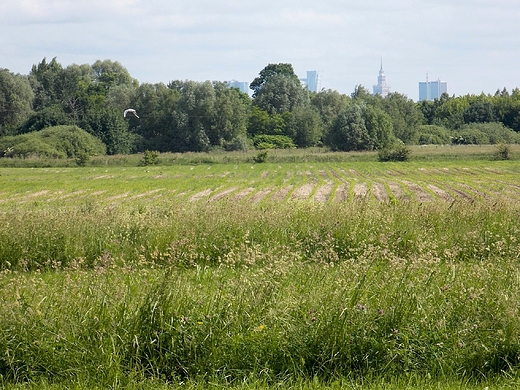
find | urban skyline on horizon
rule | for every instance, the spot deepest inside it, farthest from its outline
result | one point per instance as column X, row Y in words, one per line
column 427, row 90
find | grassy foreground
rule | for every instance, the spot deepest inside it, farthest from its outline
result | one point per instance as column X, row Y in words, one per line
column 280, row 295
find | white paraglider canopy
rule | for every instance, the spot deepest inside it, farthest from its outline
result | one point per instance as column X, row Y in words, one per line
column 132, row 111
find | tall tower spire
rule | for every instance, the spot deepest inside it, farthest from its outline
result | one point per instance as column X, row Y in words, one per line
column 381, row 88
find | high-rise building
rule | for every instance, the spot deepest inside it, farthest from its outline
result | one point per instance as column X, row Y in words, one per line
column 312, row 82
column 242, row 85
column 381, row 88
column 430, row 90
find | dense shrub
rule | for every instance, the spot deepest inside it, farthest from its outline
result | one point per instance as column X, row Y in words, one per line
column 149, row 158
column 502, row 152
column 400, row 152
column 54, row 142
column 432, row 135
column 264, row 141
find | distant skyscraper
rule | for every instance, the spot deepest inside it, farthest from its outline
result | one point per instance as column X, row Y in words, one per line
column 312, row 82
column 381, row 88
column 242, row 85
column 430, row 90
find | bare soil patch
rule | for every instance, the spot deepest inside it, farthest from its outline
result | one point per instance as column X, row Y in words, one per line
column 222, row 195
column 200, row 195
column 360, row 190
column 440, row 192
column 303, row 192
column 379, row 192
column 242, row 194
column 341, row 194
column 418, row 191
column 397, row 190
column 261, row 194
column 282, row 193
column 323, row 192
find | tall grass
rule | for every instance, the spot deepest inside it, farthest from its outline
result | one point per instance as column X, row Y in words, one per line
column 270, row 293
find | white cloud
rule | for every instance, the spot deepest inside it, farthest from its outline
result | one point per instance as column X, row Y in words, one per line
column 473, row 44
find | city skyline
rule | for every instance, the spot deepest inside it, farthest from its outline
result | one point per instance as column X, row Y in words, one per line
column 160, row 41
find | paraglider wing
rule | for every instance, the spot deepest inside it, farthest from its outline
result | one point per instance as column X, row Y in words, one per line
column 130, row 110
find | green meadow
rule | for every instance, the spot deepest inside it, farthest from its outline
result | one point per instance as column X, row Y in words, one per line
column 308, row 271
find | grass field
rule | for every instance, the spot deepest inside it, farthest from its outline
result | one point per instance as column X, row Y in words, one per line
column 308, row 274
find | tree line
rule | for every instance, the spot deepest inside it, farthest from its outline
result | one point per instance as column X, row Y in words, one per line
column 187, row 115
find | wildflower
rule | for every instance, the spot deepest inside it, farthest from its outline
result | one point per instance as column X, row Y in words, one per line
column 260, row 328
column 381, row 312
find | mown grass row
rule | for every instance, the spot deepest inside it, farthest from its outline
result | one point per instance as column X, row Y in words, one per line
column 234, row 293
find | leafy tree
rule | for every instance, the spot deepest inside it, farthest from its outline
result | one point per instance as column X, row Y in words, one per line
column 349, row 131
column 479, row 112
column 108, row 73
column 109, row 125
column 450, row 112
column 304, row 127
column 379, row 127
column 404, row 114
column 231, row 114
column 15, row 101
column 361, row 94
column 260, row 122
column 75, row 85
column 329, row 104
column 52, row 115
column 159, row 118
column 270, row 71
column 281, row 93
column 44, row 78
column 196, row 108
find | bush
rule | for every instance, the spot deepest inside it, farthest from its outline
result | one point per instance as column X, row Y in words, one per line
column 149, row 158
column 397, row 153
column 265, row 141
column 432, row 135
column 53, row 142
column 236, row 144
column 502, row 152
column 261, row 157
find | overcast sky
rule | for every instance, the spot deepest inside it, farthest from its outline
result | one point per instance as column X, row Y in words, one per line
column 474, row 45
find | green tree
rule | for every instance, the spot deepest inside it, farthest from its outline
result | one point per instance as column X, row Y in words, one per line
column 281, row 93
column 479, row 111
column 231, row 114
column 110, row 127
column 349, row 132
column 44, row 78
column 329, row 104
column 304, row 127
column 270, row 71
column 450, row 112
column 404, row 114
column 260, row 122
column 15, row 101
column 379, row 126
column 109, row 73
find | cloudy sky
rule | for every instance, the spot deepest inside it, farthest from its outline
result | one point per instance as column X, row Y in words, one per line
column 474, row 45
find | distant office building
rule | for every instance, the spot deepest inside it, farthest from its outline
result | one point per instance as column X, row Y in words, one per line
column 430, row 90
column 312, row 82
column 243, row 86
column 381, row 88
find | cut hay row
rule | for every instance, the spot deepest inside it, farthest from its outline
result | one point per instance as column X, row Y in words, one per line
column 288, row 183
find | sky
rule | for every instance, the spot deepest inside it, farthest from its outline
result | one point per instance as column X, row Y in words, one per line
column 473, row 45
